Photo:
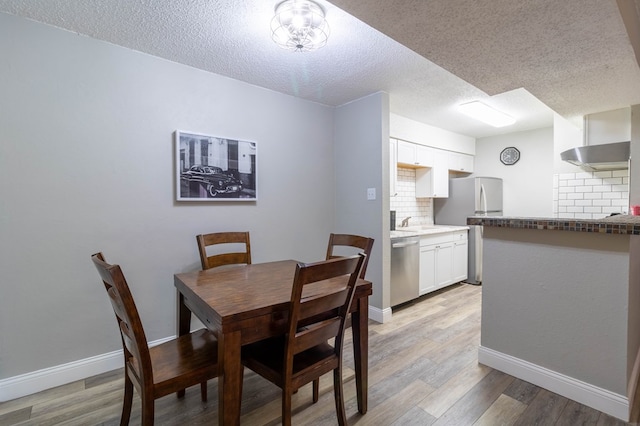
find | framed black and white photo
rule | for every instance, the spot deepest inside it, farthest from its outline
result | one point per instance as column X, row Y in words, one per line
column 213, row 168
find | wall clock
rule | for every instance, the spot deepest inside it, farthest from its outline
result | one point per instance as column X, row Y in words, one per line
column 510, row 156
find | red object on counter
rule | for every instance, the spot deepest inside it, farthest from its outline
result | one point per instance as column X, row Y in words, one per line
column 635, row 210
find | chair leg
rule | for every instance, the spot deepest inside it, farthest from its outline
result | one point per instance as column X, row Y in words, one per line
column 147, row 410
column 316, row 390
column 126, row 401
column 339, row 396
column 203, row 391
column 286, row 407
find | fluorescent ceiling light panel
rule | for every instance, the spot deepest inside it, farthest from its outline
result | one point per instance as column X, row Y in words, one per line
column 483, row 112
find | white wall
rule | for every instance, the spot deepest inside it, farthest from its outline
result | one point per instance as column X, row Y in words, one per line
column 528, row 184
column 86, row 165
column 608, row 126
column 565, row 136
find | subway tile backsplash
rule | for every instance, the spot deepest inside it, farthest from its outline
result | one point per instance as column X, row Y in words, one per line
column 405, row 202
column 590, row 195
column 583, row 195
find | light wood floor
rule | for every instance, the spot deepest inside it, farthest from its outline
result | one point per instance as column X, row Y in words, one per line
column 423, row 370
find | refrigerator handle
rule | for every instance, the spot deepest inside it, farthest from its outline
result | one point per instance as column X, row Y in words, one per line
column 483, row 197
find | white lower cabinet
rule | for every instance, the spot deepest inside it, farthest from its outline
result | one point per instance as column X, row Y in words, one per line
column 443, row 260
column 444, row 264
column 460, row 259
column 427, row 276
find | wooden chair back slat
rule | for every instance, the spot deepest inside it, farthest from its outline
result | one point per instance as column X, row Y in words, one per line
column 134, row 340
column 226, row 259
column 348, row 240
column 220, row 239
column 322, row 304
column 311, row 336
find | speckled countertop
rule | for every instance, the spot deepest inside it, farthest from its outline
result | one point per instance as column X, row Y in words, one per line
column 416, row 231
column 619, row 224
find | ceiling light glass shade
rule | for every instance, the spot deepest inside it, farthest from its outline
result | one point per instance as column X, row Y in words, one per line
column 486, row 114
column 299, row 25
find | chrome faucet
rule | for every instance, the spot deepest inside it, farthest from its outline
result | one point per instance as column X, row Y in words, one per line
column 405, row 222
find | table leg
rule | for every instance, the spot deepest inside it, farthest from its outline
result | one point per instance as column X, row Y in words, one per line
column 184, row 317
column 360, row 329
column 183, row 323
column 230, row 379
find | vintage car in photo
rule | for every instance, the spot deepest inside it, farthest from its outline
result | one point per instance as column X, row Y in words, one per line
column 214, row 179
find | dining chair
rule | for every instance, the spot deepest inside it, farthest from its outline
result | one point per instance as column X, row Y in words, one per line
column 228, row 258
column 160, row 370
column 307, row 351
column 346, row 240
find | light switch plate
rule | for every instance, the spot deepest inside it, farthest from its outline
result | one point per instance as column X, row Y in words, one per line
column 371, row 193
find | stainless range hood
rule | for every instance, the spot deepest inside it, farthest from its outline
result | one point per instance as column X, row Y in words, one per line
column 609, row 156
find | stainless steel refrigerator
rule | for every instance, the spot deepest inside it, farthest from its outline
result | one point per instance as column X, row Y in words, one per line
column 472, row 196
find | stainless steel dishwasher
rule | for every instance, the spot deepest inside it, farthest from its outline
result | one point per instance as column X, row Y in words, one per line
column 405, row 267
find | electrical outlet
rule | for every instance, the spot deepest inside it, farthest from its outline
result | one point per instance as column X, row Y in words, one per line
column 371, row 193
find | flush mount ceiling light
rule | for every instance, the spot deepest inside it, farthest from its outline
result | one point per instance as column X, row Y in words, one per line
column 486, row 114
column 299, row 25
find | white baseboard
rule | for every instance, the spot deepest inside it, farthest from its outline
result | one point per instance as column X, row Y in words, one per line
column 47, row 378
column 379, row 315
column 600, row 399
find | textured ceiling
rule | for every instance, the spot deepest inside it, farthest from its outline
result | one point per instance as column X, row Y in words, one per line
column 573, row 55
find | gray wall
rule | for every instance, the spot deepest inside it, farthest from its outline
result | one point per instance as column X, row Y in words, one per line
column 528, row 184
column 634, row 171
column 86, row 164
column 361, row 161
column 560, row 300
column 634, row 246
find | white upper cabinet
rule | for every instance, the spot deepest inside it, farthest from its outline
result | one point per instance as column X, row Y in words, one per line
column 424, row 156
column 414, row 155
column 432, row 167
column 440, row 159
column 432, row 182
column 406, row 152
column 460, row 162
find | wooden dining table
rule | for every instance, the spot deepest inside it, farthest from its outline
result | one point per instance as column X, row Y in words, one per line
column 246, row 303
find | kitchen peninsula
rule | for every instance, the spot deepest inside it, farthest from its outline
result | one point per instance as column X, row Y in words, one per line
column 560, row 305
